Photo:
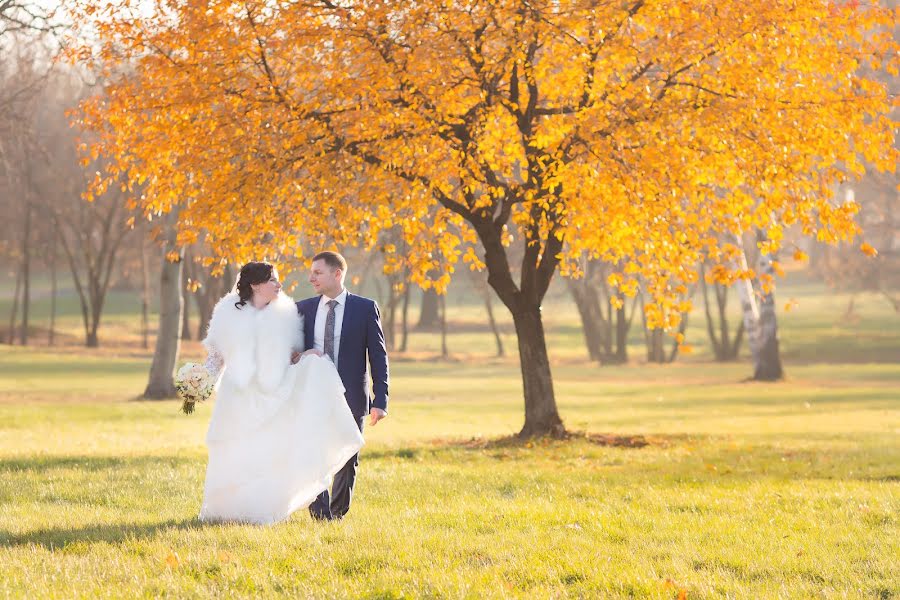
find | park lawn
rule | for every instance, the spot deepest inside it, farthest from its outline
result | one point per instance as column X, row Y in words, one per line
column 789, row 489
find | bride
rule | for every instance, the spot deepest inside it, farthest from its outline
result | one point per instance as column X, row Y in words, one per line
column 278, row 432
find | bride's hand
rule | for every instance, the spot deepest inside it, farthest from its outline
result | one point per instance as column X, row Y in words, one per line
column 313, row 351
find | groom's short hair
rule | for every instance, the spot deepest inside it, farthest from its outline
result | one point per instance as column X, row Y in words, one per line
column 332, row 259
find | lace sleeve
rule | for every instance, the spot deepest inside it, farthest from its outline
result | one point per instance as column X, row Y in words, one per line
column 214, row 363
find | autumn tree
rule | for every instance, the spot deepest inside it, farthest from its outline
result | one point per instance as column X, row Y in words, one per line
column 637, row 132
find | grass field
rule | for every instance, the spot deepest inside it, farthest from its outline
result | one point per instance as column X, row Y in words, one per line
column 685, row 479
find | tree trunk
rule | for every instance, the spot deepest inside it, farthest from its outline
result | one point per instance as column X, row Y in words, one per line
column 168, row 339
column 768, row 365
column 655, row 351
column 429, row 317
column 390, row 320
column 442, row 301
column 186, row 315
column 383, row 300
column 541, row 415
column 724, row 347
column 51, row 338
column 405, row 316
column 26, row 276
column 615, row 339
column 207, row 299
column 93, row 338
column 540, row 258
column 205, row 302
column 14, row 311
column 593, row 325
column 479, row 284
column 622, row 327
column 717, row 346
column 682, row 327
column 653, row 339
column 493, row 322
column 145, row 296
column 186, row 269
column 186, row 309
column 760, row 322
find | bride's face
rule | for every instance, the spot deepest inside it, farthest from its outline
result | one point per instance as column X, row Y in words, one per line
column 267, row 291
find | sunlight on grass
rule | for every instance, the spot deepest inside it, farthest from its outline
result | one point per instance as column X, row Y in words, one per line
column 744, row 490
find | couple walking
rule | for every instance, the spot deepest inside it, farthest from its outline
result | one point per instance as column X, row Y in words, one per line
column 293, row 395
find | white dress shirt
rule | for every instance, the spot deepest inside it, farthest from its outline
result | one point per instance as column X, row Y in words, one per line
column 322, row 316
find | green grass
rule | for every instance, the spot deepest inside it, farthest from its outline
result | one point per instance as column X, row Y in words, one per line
column 743, row 490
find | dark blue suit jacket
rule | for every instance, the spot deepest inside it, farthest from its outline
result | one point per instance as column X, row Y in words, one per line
column 361, row 334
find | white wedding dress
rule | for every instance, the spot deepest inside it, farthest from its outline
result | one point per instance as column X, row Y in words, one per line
column 279, row 432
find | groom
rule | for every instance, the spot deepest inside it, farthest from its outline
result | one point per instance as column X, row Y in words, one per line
column 346, row 328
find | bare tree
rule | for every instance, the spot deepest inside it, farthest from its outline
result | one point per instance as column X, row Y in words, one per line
column 23, row 82
column 91, row 234
column 21, row 16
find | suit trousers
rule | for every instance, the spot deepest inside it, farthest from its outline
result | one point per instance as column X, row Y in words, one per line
column 336, row 504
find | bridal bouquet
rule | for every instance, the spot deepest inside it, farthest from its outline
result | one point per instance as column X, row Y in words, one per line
column 193, row 384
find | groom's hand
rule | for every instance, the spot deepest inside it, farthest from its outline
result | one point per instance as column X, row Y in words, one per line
column 296, row 355
column 375, row 415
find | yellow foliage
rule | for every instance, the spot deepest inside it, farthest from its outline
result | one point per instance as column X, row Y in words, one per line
column 641, row 133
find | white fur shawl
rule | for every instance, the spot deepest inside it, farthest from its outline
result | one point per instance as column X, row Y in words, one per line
column 255, row 342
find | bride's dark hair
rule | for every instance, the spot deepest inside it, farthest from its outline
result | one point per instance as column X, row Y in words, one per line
column 251, row 273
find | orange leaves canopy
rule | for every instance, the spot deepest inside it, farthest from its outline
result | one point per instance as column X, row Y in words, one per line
column 642, row 132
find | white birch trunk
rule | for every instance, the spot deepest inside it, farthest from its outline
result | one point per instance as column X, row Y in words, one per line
column 760, row 322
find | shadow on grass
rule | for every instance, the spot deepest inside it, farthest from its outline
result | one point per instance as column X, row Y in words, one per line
column 514, row 441
column 40, row 464
column 63, row 538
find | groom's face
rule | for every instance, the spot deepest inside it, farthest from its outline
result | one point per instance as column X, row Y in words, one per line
column 324, row 279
